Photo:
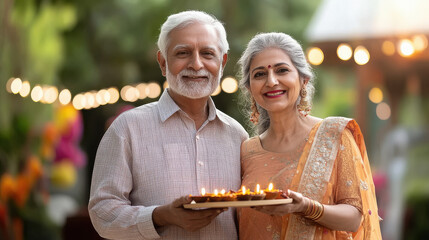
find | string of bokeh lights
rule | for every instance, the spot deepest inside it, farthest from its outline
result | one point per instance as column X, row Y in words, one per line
column 49, row 94
column 405, row 47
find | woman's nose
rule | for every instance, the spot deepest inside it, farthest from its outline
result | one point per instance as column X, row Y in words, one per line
column 271, row 79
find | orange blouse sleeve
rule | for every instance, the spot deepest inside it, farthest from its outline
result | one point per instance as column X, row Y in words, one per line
column 347, row 186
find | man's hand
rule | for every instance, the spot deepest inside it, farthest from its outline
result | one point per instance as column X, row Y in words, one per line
column 190, row 220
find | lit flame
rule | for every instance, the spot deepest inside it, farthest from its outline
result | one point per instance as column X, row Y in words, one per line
column 243, row 189
column 257, row 188
column 270, row 187
column 215, row 192
column 222, row 192
column 203, row 191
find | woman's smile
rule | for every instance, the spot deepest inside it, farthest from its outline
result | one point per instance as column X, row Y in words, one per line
column 275, row 94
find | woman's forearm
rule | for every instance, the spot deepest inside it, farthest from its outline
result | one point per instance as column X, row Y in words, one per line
column 341, row 217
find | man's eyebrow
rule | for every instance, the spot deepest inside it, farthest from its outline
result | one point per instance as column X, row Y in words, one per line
column 207, row 47
column 180, row 46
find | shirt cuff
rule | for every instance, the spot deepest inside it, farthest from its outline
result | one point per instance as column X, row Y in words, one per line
column 145, row 225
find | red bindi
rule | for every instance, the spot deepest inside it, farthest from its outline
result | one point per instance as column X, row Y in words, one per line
column 269, row 66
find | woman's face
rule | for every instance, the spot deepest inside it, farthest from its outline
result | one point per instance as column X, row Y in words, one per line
column 274, row 80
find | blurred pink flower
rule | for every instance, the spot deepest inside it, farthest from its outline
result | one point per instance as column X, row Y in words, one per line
column 66, row 149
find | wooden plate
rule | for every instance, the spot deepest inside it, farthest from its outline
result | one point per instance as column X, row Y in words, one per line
column 249, row 203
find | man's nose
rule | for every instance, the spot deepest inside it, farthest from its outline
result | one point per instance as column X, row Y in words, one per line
column 196, row 62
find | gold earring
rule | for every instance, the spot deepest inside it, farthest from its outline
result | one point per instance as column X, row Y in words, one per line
column 254, row 116
column 303, row 106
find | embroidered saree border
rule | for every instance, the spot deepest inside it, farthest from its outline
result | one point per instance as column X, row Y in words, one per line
column 317, row 172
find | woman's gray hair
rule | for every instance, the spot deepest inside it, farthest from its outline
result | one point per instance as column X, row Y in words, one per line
column 182, row 19
column 293, row 49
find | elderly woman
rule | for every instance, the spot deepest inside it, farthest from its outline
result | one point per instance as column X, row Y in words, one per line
column 321, row 164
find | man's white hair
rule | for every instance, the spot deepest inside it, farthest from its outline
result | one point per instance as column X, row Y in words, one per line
column 187, row 17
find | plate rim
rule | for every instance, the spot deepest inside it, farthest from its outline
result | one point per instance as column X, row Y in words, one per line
column 247, row 203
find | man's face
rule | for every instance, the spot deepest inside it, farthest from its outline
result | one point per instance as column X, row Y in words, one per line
column 194, row 61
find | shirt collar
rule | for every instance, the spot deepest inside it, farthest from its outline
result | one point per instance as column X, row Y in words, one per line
column 167, row 107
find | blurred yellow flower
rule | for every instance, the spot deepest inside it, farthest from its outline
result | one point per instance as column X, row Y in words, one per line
column 63, row 174
column 64, row 116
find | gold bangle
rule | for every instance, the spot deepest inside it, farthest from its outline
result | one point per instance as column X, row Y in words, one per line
column 316, row 212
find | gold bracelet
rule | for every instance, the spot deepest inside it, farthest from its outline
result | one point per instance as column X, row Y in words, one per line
column 316, row 211
column 321, row 209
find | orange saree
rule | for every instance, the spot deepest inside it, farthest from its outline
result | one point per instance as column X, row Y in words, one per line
column 331, row 166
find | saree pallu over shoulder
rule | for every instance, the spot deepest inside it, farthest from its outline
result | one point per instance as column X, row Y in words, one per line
column 317, row 170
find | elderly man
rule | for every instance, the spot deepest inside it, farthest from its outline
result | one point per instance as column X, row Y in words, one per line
column 153, row 156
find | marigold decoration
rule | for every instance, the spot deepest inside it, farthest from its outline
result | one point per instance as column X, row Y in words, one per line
column 49, row 138
column 7, row 187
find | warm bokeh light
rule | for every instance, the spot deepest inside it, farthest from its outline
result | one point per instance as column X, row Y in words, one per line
column 383, row 111
column 420, row 42
column 153, row 90
column 89, row 100
column 217, row 91
column 315, row 56
column 141, row 87
column 344, row 51
column 37, row 93
column 406, row 48
column 16, row 85
column 25, row 89
column 129, row 93
column 229, row 85
column 9, row 84
column 102, row 97
column 361, row 55
column 50, row 94
column 96, row 104
column 123, row 92
column 375, row 95
column 79, row 102
column 388, row 48
column 114, row 95
column 64, row 97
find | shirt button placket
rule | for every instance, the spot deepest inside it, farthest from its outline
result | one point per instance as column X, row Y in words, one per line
column 200, row 164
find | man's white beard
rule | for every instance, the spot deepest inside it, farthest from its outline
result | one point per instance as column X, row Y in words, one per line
column 193, row 89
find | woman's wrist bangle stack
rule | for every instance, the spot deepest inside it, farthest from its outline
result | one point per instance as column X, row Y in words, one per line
column 314, row 210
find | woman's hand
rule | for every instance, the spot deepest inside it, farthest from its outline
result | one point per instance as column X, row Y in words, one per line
column 341, row 217
column 298, row 205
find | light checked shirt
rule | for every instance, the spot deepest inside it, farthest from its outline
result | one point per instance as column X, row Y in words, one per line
column 153, row 154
